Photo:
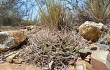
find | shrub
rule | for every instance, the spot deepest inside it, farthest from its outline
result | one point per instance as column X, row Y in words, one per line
column 59, row 47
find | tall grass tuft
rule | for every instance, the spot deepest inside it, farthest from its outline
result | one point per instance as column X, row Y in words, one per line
column 54, row 15
column 99, row 10
column 92, row 10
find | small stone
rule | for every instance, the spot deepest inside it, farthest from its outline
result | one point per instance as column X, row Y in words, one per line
column 83, row 65
column 93, row 48
column 17, row 61
column 30, row 27
column 70, row 67
column 99, row 46
column 11, row 57
column 88, row 58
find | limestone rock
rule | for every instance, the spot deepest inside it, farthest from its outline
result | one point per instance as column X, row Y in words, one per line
column 83, row 65
column 94, row 47
column 90, row 30
column 30, row 27
column 99, row 46
column 88, row 58
column 97, row 25
column 11, row 39
column 100, row 60
column 70, row 67
column 11, row 57
column 17, row 61
column 8, row 66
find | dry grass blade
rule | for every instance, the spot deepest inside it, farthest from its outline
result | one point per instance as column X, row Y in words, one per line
column 54, row 15
column 99, row 9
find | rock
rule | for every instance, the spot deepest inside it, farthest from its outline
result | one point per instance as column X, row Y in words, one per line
column 97, row 25
column 83, row 65
column 83, row 55
column 90, row 30
column 11, row 39
column 85, row 50
column 17, row 61
column 99, row 46
column 105, row 39
column 100, row 60
column 11, row 57
column 94, row 47
column 8, row 66
column 30, row 27
column 70, row 67
column 88, row 58
column 27, row 27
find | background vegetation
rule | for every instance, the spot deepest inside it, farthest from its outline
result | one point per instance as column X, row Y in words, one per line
column 53, row 13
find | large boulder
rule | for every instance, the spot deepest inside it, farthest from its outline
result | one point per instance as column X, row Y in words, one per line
column 91, row 30
column 100, row 60
column 11, row 39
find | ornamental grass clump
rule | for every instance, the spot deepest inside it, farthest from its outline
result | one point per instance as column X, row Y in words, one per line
column 53, row 15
